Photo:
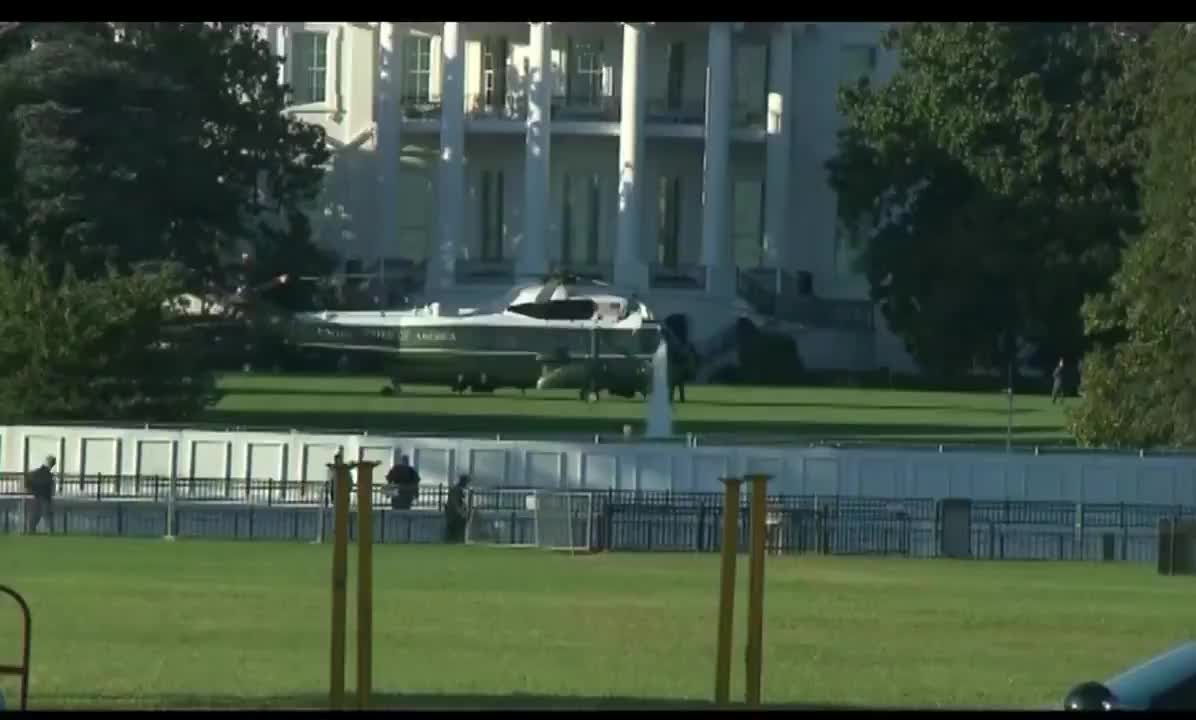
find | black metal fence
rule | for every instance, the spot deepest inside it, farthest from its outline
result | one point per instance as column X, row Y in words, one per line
column 268, row 492
column 615, row 520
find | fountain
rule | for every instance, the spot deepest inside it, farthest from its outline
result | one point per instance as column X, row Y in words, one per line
column 660, row 409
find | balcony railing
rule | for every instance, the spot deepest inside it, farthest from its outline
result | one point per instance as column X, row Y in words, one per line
column 680, row 276
column 603, row 108
column 603, row 272
column 781, row 294
column 761, row 288
column 828, row 313
column 492, row 107
column 753, row 115
column 395, row 280
column 660, row 110
column 484, row 272
column 420, row 108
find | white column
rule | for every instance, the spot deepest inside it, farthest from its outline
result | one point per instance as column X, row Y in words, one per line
column 717, row 254
column 777, row 146
column 451, row 219
column 630, row 269
column 281, row 35
column 386, row 140
column 533, row 249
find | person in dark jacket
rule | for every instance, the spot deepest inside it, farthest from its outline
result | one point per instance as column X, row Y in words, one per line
column 1057, row 385
column 456, row 511
column 404, row 484
column 41, row 486
column 330, row 485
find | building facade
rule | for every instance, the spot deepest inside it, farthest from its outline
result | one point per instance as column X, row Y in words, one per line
column 685, row 161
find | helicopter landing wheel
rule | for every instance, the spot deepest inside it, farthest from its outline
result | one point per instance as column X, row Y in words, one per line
column 589, row 394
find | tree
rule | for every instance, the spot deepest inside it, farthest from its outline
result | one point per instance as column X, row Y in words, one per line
column 1137, row 386
column 167, row 143
column 995, row 175
column 151, row 143
column 270, row 162
column 90, row 161
column 93, row 349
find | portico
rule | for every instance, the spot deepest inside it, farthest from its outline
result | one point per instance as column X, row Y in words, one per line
column 554, row 70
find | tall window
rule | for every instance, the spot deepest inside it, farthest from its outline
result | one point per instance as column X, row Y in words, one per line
column 856, row 62
column 309, row 67
column 676, row 75
column 747, row 229
column 417, row 69
column 581, row 219
column 494, row 72
column 492, row 215
column 585, row 72
column 751, row 89
column 668, row 214
column 417, row 197
column 849, row 245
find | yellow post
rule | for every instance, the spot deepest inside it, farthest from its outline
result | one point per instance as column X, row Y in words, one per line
column 365, row 582
column 726, row 591
column 340, row 563
column 755, row 638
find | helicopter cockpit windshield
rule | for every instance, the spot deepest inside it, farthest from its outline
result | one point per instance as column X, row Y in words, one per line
column 573, row 309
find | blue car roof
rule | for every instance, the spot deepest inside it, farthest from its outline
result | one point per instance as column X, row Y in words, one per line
column 1140, row 685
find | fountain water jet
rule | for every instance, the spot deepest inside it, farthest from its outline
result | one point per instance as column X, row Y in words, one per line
column 660, row 410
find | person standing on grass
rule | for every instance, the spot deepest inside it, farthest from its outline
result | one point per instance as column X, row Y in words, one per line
column 330, row 485
column 682, row 361
column 404, row 484
column 456, row 511
column 41, row 486
column 1057, row 384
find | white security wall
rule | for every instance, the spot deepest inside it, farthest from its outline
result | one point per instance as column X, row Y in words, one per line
column 1070, row 477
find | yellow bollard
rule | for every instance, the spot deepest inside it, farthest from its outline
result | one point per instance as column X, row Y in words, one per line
column 726, row 594
column 755, row 638
column 340, row 563
column 365, row 581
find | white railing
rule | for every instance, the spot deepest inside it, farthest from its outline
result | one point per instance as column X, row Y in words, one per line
column 859, row 472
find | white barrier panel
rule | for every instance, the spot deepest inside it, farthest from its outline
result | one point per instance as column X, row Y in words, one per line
column 238, row 456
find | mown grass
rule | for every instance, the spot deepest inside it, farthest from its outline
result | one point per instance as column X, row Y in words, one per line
column 340, row 402
column 124, row 623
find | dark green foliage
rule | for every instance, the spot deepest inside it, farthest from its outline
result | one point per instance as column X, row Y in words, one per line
column 998, row 170
column 93, row 349
column 1137, row 385
column 766, row 358
column 149, row 143
column 171, row 144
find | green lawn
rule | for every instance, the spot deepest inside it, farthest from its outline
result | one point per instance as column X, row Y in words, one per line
column 789, row 413
column 127, row 623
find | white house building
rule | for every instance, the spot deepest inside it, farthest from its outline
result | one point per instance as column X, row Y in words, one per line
column 685, row 161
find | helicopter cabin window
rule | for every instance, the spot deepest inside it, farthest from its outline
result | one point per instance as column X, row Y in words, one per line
column 557, row 310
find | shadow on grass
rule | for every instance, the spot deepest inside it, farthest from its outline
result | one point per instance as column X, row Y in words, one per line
column 866, row 406
column 516, row 426
column 504, row 395
column 381, row 701
column 509, row 394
